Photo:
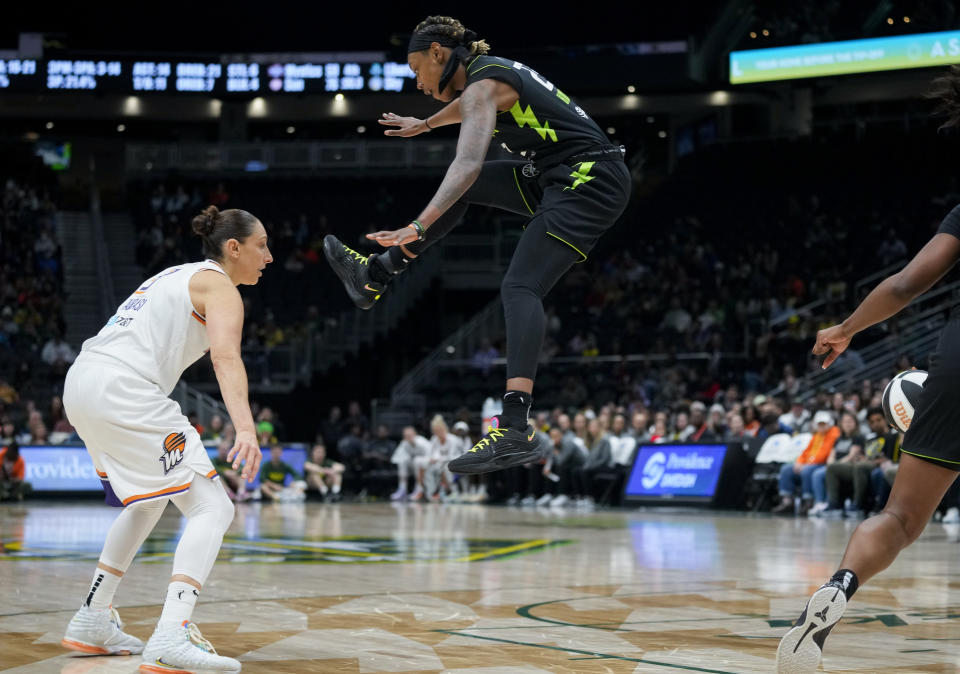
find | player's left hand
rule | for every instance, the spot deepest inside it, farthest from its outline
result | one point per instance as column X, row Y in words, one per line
column 396, row 237
column 246, row 450
column 831, row 342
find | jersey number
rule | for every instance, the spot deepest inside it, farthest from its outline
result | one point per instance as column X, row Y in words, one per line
column 146, row 286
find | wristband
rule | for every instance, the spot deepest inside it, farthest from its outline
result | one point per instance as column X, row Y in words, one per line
column 421, row 232
column 426, row 123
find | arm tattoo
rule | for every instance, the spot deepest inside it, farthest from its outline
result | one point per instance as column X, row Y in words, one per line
column 479, row 111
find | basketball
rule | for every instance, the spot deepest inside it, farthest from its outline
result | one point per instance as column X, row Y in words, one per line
column 901, row 397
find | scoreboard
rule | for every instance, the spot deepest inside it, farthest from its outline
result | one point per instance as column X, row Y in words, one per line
column 242, row 78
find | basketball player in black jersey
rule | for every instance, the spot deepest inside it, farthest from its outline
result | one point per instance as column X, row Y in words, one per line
column 930, row 455
column 571, row 183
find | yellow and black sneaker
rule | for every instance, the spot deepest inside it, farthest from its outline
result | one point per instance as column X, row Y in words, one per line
column 354, row 271
column 500, row 448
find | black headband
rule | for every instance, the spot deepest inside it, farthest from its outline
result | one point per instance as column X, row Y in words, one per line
column 421, row 41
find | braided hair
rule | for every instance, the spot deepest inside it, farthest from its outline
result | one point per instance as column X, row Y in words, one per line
column 946, row 90
column 446, row 30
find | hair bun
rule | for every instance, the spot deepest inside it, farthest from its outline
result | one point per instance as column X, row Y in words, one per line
column 204, row 223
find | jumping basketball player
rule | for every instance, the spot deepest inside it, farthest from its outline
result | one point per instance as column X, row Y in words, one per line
column 572, row 184
column 145, row 450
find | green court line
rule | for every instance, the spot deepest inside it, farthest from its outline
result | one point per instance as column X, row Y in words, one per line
column 588, row 653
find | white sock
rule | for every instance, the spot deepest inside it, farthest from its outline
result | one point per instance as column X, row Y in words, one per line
column 102, row 589
column 336, row 489
column 181, row 598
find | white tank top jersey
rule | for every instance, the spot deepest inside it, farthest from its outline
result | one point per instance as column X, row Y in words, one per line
column 156, row 331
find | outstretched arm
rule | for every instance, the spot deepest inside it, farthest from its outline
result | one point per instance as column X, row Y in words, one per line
column 412, row 126
column 478, row 107
column 928, row 266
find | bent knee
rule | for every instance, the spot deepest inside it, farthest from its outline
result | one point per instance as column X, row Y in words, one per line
column 224, row 510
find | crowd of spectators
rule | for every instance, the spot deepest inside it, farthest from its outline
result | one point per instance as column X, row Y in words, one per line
column 33, row 353
column 844, row 464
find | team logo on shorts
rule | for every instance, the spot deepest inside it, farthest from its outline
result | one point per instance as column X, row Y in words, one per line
column 173, row 446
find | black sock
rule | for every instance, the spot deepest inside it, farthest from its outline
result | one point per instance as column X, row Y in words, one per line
column 378, row 271
column 398, row 260
column 385, row 266
column 516, row 410
column 846, row 579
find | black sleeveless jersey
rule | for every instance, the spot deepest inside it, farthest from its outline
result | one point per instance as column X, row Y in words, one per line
column 544, row 124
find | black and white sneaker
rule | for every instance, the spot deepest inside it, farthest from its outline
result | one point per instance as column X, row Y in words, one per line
column 353, row 269
column 500, row 448
column 801, row 648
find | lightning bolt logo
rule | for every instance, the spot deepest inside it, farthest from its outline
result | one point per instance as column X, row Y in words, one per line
column 527, row 118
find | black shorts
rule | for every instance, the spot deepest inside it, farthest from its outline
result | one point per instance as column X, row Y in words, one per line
column 579, row 203
column 933, row 434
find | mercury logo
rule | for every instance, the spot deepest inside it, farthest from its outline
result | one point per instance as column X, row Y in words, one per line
column 653, row 470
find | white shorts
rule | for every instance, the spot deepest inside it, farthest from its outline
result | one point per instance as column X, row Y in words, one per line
column 138, row 438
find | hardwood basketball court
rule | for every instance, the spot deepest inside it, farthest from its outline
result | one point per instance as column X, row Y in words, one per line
column 468, row 589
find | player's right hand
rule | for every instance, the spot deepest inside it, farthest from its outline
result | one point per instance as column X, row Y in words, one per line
column 406, row 126
column 831, row 341
column 246, row 450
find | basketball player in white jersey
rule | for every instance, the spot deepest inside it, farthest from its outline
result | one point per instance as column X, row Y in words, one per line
column 145, row 450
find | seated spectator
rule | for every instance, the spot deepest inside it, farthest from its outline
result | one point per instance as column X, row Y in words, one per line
column 847, row 449
column 800, row 473
column 8, row 431
column 444, row 447
column 214, row 430
column 882, row 477
column 568, row 459
column 324, row 474
column 473, row 488
column 622, row 448
column 356, row 417
column 273, row 475
column 599, row 459
column 716, row 421
column 684, row 429
column 638, row 426
column 702, row 432
column 13, row 473
column 659, row 433
column 770, row 425
column 797, row 418
column 233, row 481
column 735, row 430
column 377, row 451
column 410, row 454
column 855, row 475
column 61, row 428
column 56, row 352
column 38, row 430
column 350, row 449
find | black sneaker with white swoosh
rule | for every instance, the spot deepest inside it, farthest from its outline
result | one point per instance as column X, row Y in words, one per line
column 500, row 448
column 353, row 269
column 801, row 648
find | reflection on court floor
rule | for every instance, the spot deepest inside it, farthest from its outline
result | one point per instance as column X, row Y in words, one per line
column 468, row 589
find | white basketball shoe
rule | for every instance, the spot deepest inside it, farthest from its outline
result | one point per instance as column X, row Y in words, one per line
column 99, row 633
column 183, row 650
column 801, row 648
